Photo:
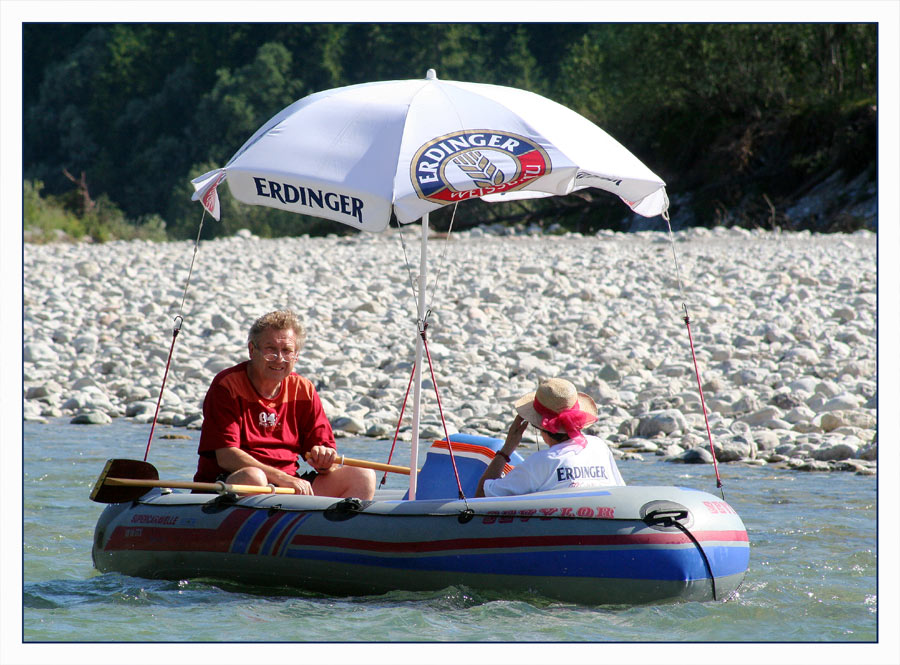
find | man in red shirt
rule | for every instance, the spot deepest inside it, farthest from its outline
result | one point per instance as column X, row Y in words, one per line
column 259, row 416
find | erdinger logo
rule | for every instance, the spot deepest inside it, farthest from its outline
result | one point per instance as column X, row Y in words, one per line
column 469, row 164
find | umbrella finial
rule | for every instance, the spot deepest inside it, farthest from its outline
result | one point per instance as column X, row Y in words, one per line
column 431, row 75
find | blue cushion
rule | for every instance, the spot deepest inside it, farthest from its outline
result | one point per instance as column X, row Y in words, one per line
column 436, row 480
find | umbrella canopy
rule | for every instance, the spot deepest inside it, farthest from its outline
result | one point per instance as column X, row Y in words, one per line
column 358, row 153
column 361, row 153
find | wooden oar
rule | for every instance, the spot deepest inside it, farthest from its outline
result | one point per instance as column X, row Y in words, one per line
column 126, row 480
column 378, row 466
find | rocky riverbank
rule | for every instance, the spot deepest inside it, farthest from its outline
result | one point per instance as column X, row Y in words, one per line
column 784, row 326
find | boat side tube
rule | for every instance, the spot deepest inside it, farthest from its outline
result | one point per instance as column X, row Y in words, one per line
column 607, row 545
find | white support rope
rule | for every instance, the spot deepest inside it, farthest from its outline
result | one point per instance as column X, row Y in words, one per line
column 412, row 282
column 441, row 260
column 440, row 266
column 191, row 269
column 665, row 216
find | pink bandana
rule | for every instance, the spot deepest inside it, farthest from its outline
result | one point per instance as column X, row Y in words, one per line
column 570, row 420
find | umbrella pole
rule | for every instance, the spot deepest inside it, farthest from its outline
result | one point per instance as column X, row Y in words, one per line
column 417, row 388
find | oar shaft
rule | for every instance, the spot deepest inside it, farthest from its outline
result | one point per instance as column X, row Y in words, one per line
column 211, row 487
column 98, row 494
column 377, row 466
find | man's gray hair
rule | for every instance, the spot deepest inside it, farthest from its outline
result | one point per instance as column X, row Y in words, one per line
column 282, row 319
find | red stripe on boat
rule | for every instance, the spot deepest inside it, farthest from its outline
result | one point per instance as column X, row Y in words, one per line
column 459, row 447
column 262, row 532
column 285, row 531
column 676, row 538
column 179, row 539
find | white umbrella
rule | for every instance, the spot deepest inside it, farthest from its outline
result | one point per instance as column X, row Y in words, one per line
column 359, row 153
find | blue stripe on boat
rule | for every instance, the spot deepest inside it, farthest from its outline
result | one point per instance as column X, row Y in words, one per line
column 274, row 532
column 291, row 530
column 245, row 536
column 678, row 563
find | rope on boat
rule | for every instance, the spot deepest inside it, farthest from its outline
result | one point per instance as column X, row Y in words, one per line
column 179, row 320
column 437, row 395
column 687, row 323
column 440, row 264
column 399, row 421
column 412, row 281
column 669, row 518
column 441, row 259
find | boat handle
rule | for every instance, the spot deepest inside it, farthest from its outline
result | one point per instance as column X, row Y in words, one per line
column 665, row 517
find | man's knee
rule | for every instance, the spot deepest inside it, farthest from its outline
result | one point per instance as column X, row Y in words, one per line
column 346, row 481
column 249, row 475
column 363, row 476
column 366, row 483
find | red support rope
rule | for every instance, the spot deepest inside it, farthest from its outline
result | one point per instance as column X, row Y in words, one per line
column 712, row 449
column 687, row 322
column 399, row 421
column 441, row 411
column 178, row 321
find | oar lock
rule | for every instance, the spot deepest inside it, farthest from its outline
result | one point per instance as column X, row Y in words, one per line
column 345, row 509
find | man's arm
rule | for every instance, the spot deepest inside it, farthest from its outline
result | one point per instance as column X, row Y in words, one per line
column 231, row 459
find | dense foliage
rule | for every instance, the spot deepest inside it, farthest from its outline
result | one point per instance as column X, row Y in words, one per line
column 119, row 117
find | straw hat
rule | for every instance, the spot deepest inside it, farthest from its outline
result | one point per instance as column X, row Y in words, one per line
column 556, row 395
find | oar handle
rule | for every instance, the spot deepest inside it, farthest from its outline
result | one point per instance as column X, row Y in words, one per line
column 212, row 487
column 366, row 464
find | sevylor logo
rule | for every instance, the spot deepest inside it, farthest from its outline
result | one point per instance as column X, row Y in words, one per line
column 469, row 164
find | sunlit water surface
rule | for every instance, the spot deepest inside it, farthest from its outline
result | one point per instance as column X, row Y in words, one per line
column 812, row 574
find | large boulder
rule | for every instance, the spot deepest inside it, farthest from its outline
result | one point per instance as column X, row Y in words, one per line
column 664, row 422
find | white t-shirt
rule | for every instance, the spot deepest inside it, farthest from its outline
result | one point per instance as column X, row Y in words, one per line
column 564, row 465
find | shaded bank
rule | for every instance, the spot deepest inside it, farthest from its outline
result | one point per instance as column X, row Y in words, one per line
column 742, row 121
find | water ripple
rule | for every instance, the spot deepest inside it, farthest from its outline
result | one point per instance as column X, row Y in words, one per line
column 812, row 577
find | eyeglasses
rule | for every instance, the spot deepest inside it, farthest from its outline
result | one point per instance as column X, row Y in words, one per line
column 272, row 356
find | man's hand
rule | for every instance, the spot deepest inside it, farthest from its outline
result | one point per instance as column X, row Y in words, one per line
column 321, row 458
column 245, row 470
column 299, row 485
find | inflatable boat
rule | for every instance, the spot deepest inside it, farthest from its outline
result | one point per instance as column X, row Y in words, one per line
column 609, row 545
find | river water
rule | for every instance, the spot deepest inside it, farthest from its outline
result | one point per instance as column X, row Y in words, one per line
column 813, row 578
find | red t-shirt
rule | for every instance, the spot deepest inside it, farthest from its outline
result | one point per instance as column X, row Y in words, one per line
column 273, row 431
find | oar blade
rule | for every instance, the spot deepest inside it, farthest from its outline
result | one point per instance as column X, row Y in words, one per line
column 122, row 468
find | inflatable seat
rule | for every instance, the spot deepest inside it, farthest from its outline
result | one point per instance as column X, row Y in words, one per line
column 472, row 453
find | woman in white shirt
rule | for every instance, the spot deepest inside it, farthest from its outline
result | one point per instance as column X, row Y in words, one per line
column 573, row 459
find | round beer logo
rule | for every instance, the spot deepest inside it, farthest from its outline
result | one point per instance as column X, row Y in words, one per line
column 472, row 163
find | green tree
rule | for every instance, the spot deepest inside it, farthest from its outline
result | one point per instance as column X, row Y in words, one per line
column 240, row 101
column 725, row 110
column 60, row 128
column 517, row 65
